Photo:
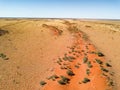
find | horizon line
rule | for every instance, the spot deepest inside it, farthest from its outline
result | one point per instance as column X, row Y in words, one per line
column 57, row 18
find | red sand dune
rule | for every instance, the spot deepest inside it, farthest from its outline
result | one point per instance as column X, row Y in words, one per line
column 81, row 68
column 56, row 52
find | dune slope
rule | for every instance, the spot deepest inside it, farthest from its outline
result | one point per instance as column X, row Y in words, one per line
column 51, row 54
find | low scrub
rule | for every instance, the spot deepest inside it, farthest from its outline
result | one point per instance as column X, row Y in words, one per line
column 70, row 73
column 3, row 32
column 64, row 80
column 42, row 83
column 86, row 80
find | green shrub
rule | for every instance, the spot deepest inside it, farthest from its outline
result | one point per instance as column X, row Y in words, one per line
column 99, row 61
column 73, row 29
column 69, row 58
column 70, row 73
column 53, row 77
column 105, row 70
column 3, row 32
column 87, row 71
column 86, row 80
column 60, row 60
column 87, row 26
column 100, row 54
column 108, row 65
column 42, row 83
column 3, row 56
column 111, row 83
column 64, row 80
column 77, row 66
column 61, row 82
column 89, row 64
column 85, row 59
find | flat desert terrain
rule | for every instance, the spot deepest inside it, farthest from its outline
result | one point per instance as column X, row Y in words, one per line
column 59, row 54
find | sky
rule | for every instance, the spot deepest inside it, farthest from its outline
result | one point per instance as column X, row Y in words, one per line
column 98, row 9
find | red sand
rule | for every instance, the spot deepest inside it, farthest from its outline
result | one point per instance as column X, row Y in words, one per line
column 33, row 46
column 98, row 81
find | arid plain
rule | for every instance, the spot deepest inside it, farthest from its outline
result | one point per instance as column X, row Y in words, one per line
column 59, row 54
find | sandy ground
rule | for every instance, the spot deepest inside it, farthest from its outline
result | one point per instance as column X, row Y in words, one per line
column 105, row 35
column 32, row 49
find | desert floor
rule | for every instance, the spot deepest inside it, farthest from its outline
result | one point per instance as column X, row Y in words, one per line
column 29, row 49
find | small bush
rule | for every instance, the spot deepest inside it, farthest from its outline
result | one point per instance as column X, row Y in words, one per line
column 89, row 64
column 64, row 80
column 86, row 80
column 3, row 32
column 108, row 65
column 69, row 58
column 85, row 59
column 92, row 52
column 53, row 77
column 99, row 61
column 87, row 26
column 111, row 83
column 73, row 29
column 105, row 70
column 77, row 66
column 42, row 83
column 70, row 73
column 60, row 60
column 61, row 82
column 87, row 71
column 100, row 54
column 3, row 56
column 104, row 74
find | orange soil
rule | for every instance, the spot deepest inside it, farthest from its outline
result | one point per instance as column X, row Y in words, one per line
column 32, row 47
column 54, row 30
column 82, row 49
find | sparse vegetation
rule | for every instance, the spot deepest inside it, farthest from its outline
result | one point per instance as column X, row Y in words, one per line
column 42, row 83
column 3, row 56
column 64, row 67
column 100, row 54
column 85, row 36
column 86, row 80
column 64, row 80
column 53, row 28
column 99, row 61
column 72, row 49
column 105, row 70
column 85, row 59
column 92, row 52
column 70, row 73
column 69, row 58
column 89, row 64
column 3, row 32
column 111, row 83
column 59, row 62
column 53, row 77
column 104, row 74
column 77, row 66
column 87, row 71
column 108, row 65
column 73, row 29
column 87, row 26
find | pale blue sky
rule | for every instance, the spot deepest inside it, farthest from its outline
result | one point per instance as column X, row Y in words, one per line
column 101, row 9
